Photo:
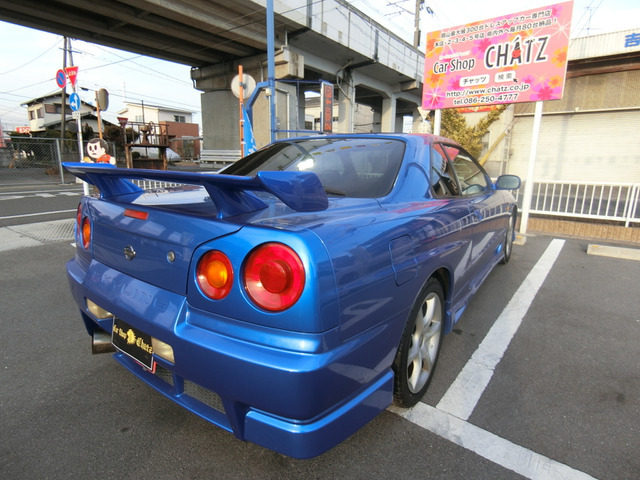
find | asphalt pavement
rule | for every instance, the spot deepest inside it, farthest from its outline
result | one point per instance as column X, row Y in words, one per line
column 23, row 204
column 562, row 400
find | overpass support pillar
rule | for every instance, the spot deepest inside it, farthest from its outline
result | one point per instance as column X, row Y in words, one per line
column 346, row 106
column 388, row 120
column 221, row 131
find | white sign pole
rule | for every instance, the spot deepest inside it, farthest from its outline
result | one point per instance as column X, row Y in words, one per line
column 437, row 121
column 77, row 115
column 528, row 186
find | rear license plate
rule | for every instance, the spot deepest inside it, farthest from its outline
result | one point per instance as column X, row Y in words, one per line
column 132, row 342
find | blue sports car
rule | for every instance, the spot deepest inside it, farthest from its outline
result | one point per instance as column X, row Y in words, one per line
column 292, row 297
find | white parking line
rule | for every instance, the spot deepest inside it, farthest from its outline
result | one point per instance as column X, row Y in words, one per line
column 36, row 214
column 462, row 396
column 74, row 190
column 448, row 418
column 490, row 446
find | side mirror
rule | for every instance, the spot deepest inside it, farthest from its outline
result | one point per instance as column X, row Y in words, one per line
column 508, row 182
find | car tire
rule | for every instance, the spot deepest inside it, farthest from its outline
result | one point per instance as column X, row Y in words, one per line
column 419, row 348
column 507, row 246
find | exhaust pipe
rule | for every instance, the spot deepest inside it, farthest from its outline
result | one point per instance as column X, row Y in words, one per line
column 101, row 342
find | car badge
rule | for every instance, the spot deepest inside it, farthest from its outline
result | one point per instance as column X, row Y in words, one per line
column 129, row 252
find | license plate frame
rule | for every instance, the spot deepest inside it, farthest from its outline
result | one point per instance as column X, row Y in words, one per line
column 133, row 343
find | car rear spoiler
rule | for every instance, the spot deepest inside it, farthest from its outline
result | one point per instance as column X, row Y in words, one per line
column 231, row 194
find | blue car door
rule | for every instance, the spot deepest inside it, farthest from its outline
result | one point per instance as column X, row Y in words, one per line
column 475, row 186
column 465, row 215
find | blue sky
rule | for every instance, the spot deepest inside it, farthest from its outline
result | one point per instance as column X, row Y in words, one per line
column 30, row 58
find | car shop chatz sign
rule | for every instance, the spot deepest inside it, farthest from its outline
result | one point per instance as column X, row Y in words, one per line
column 521, row 57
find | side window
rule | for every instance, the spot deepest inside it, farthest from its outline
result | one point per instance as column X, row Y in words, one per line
column 442, row 177
column 471, row 177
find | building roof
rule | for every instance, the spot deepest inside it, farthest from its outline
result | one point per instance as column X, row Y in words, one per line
column 154, row 107
column 604, row 45
column 53, row 95
column 83, row 116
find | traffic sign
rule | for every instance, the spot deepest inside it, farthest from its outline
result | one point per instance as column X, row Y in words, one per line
column 72, row 73
column 61, row 78
column 102, row 99
column 74, row 102
column 248, row 86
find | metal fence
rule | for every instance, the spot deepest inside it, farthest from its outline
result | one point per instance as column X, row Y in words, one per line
column 28, row 160
column 587, row 200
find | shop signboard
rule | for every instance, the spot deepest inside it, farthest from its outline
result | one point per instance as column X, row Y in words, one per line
column 521, row 57
column 326, row 113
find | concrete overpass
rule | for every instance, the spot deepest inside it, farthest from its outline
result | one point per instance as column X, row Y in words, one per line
column 313, row 40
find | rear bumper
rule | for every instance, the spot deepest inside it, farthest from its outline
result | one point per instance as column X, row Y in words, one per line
column 290, row 437
column 297, row 394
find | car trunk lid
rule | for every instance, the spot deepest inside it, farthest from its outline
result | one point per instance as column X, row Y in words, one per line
column 151, row 244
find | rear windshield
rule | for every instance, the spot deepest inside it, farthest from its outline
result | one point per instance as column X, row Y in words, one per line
column 350, row 167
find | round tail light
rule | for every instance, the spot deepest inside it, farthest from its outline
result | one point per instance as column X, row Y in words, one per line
column 215, row 274
column 274, row 276
column 85, row 233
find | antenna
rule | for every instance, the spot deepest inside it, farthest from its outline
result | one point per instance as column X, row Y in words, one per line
column 591, row 12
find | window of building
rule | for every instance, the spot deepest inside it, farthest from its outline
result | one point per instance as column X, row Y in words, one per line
column 179, row 118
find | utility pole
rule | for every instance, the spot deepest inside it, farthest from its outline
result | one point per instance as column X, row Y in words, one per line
column 416, row 24
column 85, row 185
column 63, row 114
column 78, row 120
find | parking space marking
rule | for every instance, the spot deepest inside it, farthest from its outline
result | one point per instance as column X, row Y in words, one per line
column 449, row 418
column 23, row 215
column 464, row 393
column 488, row 445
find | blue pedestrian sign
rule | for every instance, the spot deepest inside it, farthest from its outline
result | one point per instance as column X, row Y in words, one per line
column 74, row 102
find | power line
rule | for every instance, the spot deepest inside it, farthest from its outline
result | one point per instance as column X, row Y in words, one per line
column 131, row 60
column 590, row 10
column 32, row 60
column 162, row 101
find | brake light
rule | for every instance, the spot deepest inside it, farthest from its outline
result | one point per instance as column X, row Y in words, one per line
column 129, row 212
column 274, row 276
column 215, row 274
column 85, row 233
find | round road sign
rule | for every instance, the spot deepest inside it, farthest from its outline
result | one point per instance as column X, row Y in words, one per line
column 61, row 78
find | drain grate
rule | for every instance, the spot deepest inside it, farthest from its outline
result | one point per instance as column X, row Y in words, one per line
column 52, row 231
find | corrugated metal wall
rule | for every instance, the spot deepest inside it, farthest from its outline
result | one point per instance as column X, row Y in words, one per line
column 592, row 134
column 594, row 147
